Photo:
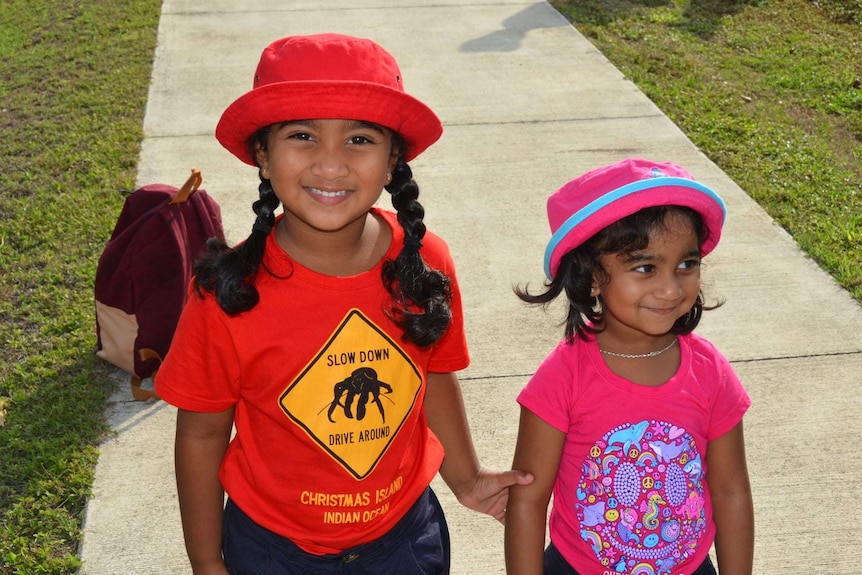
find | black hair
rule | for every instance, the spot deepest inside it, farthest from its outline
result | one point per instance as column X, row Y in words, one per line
column 579, row 266
column 421, row 297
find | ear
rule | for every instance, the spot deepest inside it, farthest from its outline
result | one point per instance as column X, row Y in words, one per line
column 262, row 159
column 394, row 153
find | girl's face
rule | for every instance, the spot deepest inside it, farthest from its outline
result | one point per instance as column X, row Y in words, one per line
column 646, row 291
column 327, row 173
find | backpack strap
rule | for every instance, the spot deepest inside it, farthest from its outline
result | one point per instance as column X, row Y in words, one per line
column 139, row 392
column 190, row 187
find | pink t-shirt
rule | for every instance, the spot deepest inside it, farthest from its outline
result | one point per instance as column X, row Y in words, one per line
column 630, row 495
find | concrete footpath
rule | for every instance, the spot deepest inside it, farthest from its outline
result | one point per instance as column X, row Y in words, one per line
column 527, row 103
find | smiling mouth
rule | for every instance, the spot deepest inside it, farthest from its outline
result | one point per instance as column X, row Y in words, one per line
column 325, row 194
column 663, row 310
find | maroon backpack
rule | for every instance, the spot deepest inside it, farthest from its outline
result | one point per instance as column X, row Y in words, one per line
column 143, row 274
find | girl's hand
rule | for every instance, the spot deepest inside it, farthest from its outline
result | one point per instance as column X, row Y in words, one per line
column 476, row 488
column 489, row 492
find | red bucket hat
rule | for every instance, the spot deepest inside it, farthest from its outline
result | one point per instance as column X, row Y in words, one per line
column 327, row 76
column 591, row 202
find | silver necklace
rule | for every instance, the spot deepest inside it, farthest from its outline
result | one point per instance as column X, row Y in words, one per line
column 639, row 355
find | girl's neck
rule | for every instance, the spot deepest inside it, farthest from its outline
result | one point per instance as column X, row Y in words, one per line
column 347, row 252
column 649, row 362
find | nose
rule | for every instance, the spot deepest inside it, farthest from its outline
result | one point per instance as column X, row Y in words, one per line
column 330, row 162
column 669, row 287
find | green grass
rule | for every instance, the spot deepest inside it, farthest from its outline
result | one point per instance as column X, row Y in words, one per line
column 73, row 86
column 765, row 89
column 769, row 90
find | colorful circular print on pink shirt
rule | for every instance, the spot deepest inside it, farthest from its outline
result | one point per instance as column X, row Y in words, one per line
column 641, row 498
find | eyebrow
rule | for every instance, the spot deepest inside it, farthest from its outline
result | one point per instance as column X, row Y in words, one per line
column 354, row 124
column 633, row 257
column 369, row 125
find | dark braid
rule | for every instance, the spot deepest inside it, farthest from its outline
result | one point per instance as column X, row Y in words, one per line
column 421, row 296
column 229, row 273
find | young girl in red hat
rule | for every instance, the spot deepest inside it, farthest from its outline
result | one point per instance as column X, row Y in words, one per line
column 329, row 339
column 633, row 422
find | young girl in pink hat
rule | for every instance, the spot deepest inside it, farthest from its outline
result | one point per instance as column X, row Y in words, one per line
column 329, row 339
column 633, row 422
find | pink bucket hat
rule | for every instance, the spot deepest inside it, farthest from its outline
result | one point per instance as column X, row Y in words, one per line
column 327, row 76
column 591, row 202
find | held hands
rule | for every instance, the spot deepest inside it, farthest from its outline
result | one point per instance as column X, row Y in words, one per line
column 489, row 491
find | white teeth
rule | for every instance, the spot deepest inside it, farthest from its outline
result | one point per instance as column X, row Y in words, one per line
column 325, row 194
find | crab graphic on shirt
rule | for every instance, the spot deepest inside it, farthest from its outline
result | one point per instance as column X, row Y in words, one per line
column 354, row 396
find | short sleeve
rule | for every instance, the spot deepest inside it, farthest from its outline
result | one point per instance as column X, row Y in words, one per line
column 730, row 402
column 549, row 393
column 200, row 371
column 450, row 352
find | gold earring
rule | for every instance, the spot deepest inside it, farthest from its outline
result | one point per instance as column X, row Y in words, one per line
column 388, row 178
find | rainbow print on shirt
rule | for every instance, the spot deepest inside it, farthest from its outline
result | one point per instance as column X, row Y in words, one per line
column 641, row 498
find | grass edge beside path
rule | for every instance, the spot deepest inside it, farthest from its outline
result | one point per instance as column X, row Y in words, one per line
column 769, row 90
column 73, row 90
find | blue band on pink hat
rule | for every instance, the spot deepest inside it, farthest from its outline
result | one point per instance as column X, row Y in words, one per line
column 609, row 198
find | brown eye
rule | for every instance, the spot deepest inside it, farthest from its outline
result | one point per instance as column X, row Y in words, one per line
column 689, row 264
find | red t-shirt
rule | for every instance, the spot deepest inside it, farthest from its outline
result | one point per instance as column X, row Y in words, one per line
column 331, row 446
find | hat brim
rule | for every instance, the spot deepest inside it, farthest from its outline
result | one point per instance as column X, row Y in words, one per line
column 415, row 122
column 628, row 199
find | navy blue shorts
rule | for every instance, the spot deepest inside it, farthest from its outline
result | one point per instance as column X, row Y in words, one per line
column 555, row 564
column 417, row 545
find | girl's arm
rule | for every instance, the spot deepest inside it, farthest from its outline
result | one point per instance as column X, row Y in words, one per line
column 733, row 510
column 476, row 488
column 538, row 452
column 201, row 441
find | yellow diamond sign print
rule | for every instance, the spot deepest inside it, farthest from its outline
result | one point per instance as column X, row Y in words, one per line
column 355, row 395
